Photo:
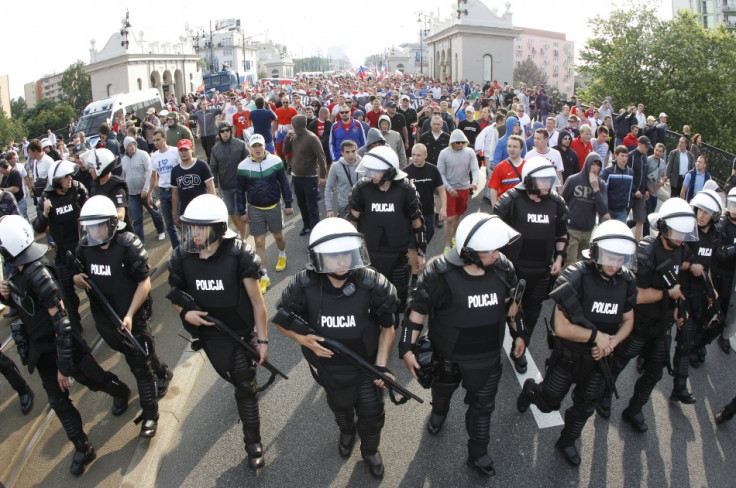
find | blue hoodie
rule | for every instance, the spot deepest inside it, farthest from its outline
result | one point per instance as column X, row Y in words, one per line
column 530, row 139
column 501, row 153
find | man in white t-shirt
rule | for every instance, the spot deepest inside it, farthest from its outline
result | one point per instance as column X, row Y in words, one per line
column 163, row 161
column 542, row 150
column 230, row 108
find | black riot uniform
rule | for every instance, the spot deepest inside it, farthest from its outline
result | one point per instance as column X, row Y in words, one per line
column 652, row 324
column 723, row 267
column 117, row 270
column 53, row 344
column 467, row 321
column 62, row 225
column 541, row 225
column 9, row 369
column 386, row 219
column 216, row 284
column 354, row 314
column 116, row 189
column 700, row 313
column 603, row 302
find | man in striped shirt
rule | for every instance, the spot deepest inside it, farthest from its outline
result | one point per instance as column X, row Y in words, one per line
column 507, row 174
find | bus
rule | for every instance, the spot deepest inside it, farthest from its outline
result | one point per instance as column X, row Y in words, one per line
column 222, row 81
column 105, row 110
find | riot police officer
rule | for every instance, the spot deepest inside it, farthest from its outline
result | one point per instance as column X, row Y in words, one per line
column 723, row 274
column 466, row 295
column 657, row 259
column 9, row 369
column 386, row 207
column 48, row 341
column 701, row 315
column 594, row 312
column 117, row 263
column 540, row 215
column 57, row 214
column 221, row 273
column 343, row 299
column 101, row 164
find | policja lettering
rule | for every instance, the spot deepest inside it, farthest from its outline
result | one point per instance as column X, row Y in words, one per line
column 484, row 300
column 705, row 251
column 209, row 285
column 100, row 269
column 605, row 308
column 339, row 321
column 382, row 207
column 64, row 209
column 537, row 218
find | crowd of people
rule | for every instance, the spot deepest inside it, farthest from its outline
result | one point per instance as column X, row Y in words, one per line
column 571, row 214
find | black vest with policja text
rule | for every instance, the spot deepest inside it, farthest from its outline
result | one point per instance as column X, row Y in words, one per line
column 603, row 302
column 536, row 222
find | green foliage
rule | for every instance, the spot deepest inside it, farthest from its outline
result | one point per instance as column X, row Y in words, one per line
column 10, row 128
column 47, row 115
column 376, row 59
column 312, row 63
column 674, row 66
column 76, row 87
column 18, row 107
column 528, row 72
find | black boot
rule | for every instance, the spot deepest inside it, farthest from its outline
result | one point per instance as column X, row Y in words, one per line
column 120, row 403
column 526, row 395
column 569, row 451
column 345, row 444
column 255, row 455
column 520, row 363
column 725, row 344
column 482, row 465
column 726, row 413
column 26, row 400
column 83, row 455
column 680, row 393
column 162, row 382
column 148, row 427
column 604, row 407
column 436, row 420
column 375, row 464
column 636, row 419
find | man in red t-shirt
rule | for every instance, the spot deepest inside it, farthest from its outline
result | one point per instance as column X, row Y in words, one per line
column 582, row 145
column 372, row 116
column 284, row 114
column 507, row 173
column 241, row 119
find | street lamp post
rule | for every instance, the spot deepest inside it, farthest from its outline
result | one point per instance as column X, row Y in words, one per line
column 423, row 20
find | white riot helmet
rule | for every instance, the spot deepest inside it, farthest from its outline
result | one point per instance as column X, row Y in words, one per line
column 98, row 221
column 102, row 161
column 17, row 243
column 538, row 174
column 612, row 244
column 708, row 201
column 731, row 202
column 204, row 221
column 381, row 158
column 57, row 172
column 675, row 221
column 336, row 247
column 480, row 232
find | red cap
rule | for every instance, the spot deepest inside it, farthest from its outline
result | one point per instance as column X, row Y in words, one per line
column 184, row 143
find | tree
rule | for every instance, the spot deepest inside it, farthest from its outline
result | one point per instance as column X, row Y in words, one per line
column 376, row 59
column 76, row 87
column 18, row 107
column 54, row 118
column 674, row 66
column 10, row 128
column 528, row 72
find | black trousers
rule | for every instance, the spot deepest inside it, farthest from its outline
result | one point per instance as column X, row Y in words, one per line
column 306, row 189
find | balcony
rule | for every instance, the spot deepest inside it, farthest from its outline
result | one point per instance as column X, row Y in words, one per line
column 728, row 7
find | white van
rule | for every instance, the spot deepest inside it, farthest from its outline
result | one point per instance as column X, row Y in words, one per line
column 104, row 110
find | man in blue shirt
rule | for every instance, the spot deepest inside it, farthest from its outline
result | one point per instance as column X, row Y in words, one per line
column 695, row 179
column 263, row 120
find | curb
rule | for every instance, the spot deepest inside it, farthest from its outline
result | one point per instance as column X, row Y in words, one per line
column 142, row 470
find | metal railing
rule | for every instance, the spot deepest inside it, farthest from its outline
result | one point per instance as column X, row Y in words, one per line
column 720, row 162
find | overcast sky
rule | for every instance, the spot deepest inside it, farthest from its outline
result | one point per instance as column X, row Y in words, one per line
column 53, row 35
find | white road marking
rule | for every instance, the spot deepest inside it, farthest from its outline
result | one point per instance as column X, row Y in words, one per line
column 544, row 420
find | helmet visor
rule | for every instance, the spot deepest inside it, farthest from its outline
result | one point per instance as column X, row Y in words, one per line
column 731, row 205
column 545, row 182
column 95, row 232
column 679, row 236
column 614, row 259
column 197, row 237
column 341, row 261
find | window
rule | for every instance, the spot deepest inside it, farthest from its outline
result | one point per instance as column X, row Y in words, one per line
column 488, row 67
column 227, row 42
column 140, row 84
column 227, row 52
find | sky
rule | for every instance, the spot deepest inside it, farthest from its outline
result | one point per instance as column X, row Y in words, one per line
column 53, row 36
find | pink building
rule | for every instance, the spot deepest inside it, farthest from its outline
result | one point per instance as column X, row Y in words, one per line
column 551, row 52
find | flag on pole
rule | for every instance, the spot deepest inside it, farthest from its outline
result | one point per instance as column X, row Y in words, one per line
column 362, row 70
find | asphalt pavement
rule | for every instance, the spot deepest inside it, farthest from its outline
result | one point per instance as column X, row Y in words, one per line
column 199, row 442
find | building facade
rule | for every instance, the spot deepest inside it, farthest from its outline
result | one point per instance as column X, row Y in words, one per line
column 274, row 61
column 171, row 67
column 551, row 52
column 5, row 96
column 478, row 46
column 711, row 13
column 47, row 87
column 227, row 48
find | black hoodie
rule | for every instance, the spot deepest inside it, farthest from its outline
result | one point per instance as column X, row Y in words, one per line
column 582, row 201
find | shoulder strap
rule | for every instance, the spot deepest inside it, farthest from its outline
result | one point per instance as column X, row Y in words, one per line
column 347, row 173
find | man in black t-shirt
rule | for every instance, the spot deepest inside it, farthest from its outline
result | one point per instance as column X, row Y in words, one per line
column 12, row 180
column 191, row 178
column 428, row 182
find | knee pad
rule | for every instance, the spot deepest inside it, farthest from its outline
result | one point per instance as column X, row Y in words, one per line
column 242, row 373
column 139, row 367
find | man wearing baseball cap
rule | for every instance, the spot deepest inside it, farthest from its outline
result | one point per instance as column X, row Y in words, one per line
column 189, row 179
column 261, row 183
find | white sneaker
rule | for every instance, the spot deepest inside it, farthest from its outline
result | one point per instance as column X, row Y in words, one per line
column 162, row 236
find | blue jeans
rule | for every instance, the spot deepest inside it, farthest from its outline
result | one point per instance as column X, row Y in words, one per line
column 136, row 205
column 306, row 189
column 164, row 198
column 619, row 214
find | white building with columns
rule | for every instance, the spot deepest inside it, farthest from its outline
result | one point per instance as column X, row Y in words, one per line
column 170, row 66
